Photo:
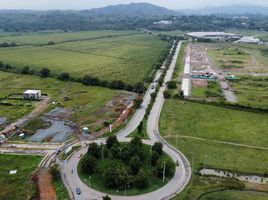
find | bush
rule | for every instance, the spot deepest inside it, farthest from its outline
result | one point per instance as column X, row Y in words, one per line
column 167, row 94
column 154, row 157
column 172, row 85
column 158, row 147
column 141, row 180
column 115, row 175
column 111, row 141
column 64, row 76
column 55, row 172
column 44, row 72
column 25, row 70
column 135, row 164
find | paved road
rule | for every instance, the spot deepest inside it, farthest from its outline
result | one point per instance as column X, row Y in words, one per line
column 182, row 173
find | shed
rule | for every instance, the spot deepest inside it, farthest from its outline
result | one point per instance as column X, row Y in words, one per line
column 32, row 94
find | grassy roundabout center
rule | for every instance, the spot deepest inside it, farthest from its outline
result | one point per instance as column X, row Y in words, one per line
column 125, row 168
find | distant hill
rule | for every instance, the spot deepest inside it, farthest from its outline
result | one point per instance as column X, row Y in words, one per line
column 229, row 10
column 134, row 9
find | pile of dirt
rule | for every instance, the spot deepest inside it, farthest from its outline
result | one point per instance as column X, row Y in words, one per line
column 45, row 187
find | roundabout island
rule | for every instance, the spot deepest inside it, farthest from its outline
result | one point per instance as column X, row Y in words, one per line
column 125, row 168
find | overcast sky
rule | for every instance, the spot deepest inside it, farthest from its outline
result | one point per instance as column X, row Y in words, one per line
column 86, row 4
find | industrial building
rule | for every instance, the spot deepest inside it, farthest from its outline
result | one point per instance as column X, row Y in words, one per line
column 32, row 94
column 214, row 36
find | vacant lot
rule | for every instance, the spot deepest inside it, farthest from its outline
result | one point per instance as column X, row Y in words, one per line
column 129, row 57
column 87, row 106
column 17, row 186
column 239, row 58
column 251, row 90
column 214, row 123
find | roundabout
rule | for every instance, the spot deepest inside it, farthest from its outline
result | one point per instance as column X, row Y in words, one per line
column 182, row 172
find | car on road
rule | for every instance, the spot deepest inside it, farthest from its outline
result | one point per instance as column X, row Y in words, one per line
column 78, row 191
column 152, row 87
column 13, row 146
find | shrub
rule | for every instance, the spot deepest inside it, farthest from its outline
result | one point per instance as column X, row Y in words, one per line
column 44, row 72
column 158, row 147
column 94, row 150
column 135, row 164
column 88, row 164
column 111, row 141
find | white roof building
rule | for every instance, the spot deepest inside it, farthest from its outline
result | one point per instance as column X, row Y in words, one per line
column 32, row 94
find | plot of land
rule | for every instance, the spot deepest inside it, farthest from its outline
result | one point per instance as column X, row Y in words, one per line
column 86, row 106
column 17, row 186
column 129, row 58
column 184, row 121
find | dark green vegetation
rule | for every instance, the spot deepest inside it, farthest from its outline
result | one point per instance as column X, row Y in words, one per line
column 18, row 186
column 59, row 187
column 118, row 60
column 130, row 16
column 196, row 128
column 118, row 168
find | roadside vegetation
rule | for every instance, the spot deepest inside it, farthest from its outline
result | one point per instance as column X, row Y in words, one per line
column 18, row 186
column 125, row 169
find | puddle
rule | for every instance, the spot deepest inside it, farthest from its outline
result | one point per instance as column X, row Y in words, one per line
column 58, row 132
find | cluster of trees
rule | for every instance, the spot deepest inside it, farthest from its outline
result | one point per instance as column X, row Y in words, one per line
column 124, row 163
column 91, row 20
column 6, row 44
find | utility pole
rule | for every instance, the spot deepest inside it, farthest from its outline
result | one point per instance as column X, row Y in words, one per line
column 164, row 171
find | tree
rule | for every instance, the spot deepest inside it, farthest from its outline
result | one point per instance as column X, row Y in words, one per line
column 141, row 180
column 139, row 88
column 125, row 154
column 115, row 151
column 159, row 168
column 137, row 103
column 136, row 141
column 172, row 84
column 88, row 164
column 111, row 141
column 25, row 70
column 118, row 84
column 44, row 72
column 167, row 94
column 154, row 157
column 106, row 198
column 55, row 172
column 64, row 76
column 94, row 150
column 115, row 175
column 89, row 80
column 135, row 164
column 140, row 127
column 158, row 147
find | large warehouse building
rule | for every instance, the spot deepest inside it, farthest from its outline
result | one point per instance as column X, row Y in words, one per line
column 215, row 36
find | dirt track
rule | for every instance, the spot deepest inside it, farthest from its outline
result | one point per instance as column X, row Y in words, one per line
column 46, row 190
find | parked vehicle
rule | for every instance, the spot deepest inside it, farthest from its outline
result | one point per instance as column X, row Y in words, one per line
column 78, row 191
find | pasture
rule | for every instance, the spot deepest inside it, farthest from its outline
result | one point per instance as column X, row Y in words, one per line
column 18, row 186
column 127, row 57
column 194, row 128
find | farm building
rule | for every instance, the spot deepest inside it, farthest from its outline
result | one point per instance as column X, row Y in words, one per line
column 32, row 94
column 214, row 36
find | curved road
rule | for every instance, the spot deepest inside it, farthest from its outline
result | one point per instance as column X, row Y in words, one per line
column 182, row 173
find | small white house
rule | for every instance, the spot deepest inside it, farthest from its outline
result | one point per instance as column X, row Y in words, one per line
column 32, row 94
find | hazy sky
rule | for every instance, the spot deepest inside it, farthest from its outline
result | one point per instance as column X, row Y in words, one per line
column 86, row 4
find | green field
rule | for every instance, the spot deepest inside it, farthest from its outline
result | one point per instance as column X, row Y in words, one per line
column 251, row 91
column 85, row 103
column 127, row 57
column 214, row 123
column 18, row 186
column 212, row 90
column 236, row 195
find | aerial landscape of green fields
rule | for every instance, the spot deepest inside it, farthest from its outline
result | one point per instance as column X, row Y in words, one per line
column 133, row 101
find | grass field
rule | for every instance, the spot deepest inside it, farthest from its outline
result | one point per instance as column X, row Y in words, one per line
column 18, row 186
column 214, row 123
column 212, row 90
column 239, row 58
column 251, row 91
column 236, row 195
column 128, row 57
column 85, row 103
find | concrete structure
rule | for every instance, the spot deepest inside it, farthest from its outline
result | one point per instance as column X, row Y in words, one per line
column 249, row 40
column 214, row 36
column 32, row 94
